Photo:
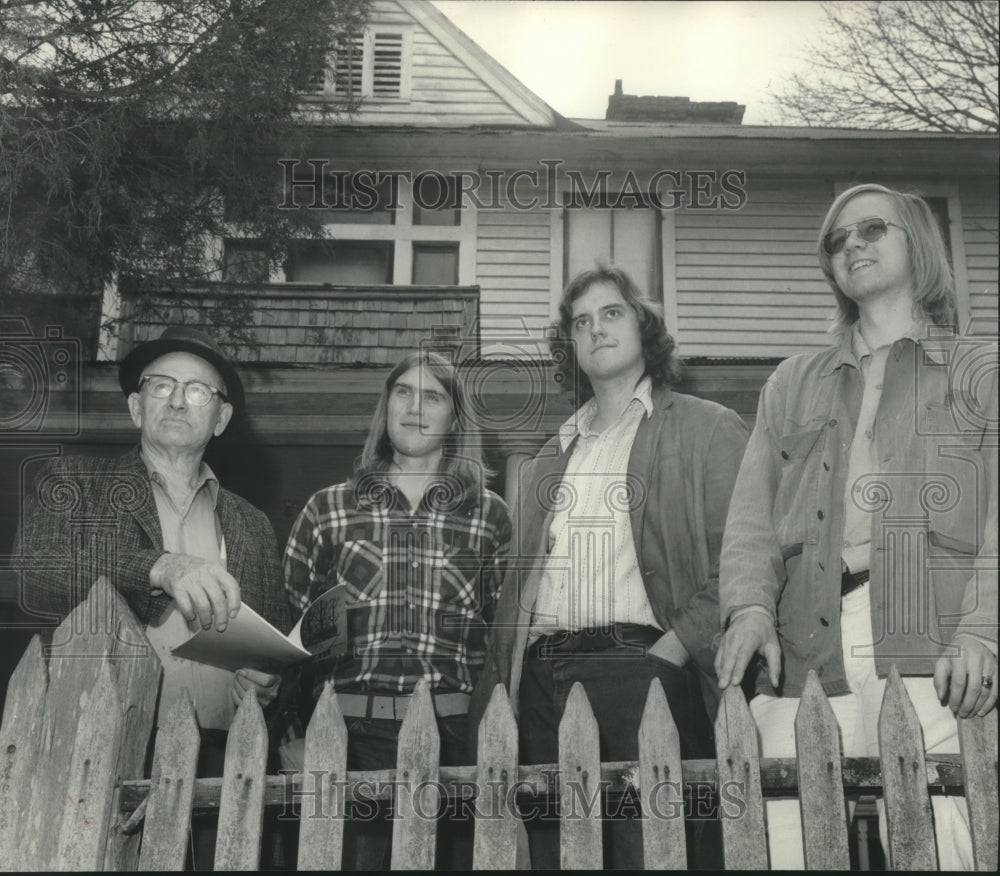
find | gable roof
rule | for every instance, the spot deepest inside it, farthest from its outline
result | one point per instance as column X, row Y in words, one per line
column 445, row 80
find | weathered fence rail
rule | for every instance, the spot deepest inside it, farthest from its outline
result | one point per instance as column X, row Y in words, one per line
column 76, row 727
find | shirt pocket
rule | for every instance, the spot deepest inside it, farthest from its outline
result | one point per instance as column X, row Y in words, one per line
column 360, row 567
column 460, row 579
column 801, row 456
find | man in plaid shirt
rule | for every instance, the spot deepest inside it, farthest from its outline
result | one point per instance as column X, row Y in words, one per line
column 419, row 546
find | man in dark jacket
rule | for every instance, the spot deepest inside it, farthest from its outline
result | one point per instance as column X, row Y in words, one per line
column 622, row 515
column 183, row 551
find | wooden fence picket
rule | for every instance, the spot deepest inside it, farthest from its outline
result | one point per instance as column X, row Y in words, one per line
column 241, row 805
column 495, row 846
column 821, row 782
column 20, row 736
column 904, row 779
column 738, row 767
column 90, row 785
column 171, row 789
column 80, row 645
column 661, row 785
column 417, row 795
column 100, row 630
column 321, row 822
column 136, row 670
column 978, row 741
column 580, row 840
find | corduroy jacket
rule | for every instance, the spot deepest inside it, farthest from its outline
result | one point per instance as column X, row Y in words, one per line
column 933, row 504
column 684, row 462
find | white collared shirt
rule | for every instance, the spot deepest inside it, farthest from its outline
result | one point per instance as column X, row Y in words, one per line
column 592, row 577
column 194, row 530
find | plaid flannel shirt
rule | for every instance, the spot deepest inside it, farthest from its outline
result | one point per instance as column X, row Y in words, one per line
column 422, row 583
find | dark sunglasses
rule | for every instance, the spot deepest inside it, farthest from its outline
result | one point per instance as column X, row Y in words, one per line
column 869, row 230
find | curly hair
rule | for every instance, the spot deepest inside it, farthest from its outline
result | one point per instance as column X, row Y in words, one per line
column 933, row 282
column 663, row 365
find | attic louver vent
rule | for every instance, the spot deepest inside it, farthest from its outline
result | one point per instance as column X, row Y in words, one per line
column 348, row 67
column 387, row 68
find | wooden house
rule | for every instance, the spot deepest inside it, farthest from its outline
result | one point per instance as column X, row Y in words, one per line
column 458, row 204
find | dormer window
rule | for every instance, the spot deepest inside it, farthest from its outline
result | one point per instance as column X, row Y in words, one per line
column 372, row 66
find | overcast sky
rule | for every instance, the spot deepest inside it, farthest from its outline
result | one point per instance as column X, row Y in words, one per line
column 571, row 53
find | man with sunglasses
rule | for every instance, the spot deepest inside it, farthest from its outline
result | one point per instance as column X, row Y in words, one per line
column 185, row 552
column 862, row 531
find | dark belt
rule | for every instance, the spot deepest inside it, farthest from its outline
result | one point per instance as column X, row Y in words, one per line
column 360, row 705
column 592, row 639
column 850, row 581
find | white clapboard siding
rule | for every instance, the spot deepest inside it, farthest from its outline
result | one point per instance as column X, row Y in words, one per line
column 747, row 281
column 512, row 269
column 980, row 225
column 451, row 81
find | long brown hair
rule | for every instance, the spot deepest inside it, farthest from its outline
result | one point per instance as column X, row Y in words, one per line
column 462, row 468
column 663, row 365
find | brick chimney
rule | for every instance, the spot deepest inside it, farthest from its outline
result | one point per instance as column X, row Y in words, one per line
column 672, row 110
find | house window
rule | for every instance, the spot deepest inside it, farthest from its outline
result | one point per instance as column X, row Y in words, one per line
column 244, row 261
column 435, row 264
column 357, row 203
column 939, row 207
column 434, row 197
column 340, row 262
column 626, row 237
column 373, row 65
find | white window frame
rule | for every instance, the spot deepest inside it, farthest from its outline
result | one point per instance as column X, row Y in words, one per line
column 404, row 234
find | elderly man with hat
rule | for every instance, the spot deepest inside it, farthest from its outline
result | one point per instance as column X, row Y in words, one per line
column 184, row 552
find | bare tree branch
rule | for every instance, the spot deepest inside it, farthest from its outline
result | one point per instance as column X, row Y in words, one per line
column 927, row 65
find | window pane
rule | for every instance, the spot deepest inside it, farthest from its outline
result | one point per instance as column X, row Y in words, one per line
column 627, row 237
column 355, row 196
column 939, row 207
column 636, row 248
column 244, row 261
column 341, row 262
column 433, row 201
column 435, row 264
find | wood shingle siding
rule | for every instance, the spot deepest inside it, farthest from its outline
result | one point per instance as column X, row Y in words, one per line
column 309, row 325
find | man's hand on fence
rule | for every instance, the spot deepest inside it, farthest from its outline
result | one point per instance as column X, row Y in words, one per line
column 202, row 590
column 749, row 633
column 966, row 681
column 266, row 686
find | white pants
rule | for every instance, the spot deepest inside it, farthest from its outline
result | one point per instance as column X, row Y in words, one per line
column 857, row 715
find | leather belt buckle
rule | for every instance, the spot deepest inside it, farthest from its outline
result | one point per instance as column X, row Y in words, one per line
column 851, row 581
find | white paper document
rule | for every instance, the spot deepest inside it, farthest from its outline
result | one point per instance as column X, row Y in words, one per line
column 250, row 642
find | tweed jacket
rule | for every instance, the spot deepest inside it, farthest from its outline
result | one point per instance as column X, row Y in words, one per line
column 85, row 517
column 933, row 506
column 684, row 459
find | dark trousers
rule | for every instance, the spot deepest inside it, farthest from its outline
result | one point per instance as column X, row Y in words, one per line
column 371, row 745
column 616, row 681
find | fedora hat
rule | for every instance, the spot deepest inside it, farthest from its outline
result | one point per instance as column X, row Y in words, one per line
column 182, row 339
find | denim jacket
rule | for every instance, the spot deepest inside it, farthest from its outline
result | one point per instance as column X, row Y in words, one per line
column 933, row 503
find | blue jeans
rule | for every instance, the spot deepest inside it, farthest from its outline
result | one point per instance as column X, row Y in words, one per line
column 617, row 682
